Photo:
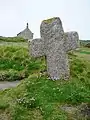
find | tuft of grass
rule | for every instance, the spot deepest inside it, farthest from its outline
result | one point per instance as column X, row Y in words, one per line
column 3, row 104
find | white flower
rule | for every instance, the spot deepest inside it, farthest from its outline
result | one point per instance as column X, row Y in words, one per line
column 53, row 88
column 32, row 99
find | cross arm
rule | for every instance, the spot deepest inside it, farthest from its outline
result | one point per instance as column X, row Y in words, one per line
column 36, row 47
column 71, row 41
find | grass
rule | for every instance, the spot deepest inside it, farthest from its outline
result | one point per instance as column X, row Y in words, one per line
column 38, row 97
column 11, row 39
column 84, row 50
column 83, row 53
column 15, row 63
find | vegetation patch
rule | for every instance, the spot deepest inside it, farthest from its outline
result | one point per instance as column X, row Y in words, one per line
column 37, row 97
column 16, row 64
column 11, row 39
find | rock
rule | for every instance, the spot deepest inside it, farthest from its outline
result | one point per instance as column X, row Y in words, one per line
column 77, row 112
column 54, row 44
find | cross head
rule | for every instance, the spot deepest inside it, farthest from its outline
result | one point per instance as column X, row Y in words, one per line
column 54, row 44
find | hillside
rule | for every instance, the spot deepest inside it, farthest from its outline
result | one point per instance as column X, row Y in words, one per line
column 37, row 97
column 11, row 39
column 84, row 42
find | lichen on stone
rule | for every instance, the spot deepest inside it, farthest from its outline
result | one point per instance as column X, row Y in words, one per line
column 48, row 21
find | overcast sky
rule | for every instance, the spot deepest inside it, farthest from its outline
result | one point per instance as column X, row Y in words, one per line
column 14, row 14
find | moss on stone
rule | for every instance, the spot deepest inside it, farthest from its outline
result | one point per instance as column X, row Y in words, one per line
column 49, row 20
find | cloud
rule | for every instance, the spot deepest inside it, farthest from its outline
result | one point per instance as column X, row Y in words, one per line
column 14, row 14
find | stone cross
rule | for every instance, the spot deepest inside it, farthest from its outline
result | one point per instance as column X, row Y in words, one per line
column 54, row 44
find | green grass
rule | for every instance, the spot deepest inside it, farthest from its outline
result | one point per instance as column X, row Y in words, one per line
column 84, row 42
column 84, row 50
column 16, row 64
column 11, row 39
column 37, row 97
column 83, row 53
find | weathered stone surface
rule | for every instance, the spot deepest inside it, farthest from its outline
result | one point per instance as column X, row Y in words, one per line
column 37, row 47
column 54, row 44
column 52, row 33
column 77, row 112
column 71, row 41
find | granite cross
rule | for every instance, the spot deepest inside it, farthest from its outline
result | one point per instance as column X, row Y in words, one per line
column 54, row 44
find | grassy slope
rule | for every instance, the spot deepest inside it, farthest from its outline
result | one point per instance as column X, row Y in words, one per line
column 38, row 98
column 84, row 42
column 11, row 39
column 15, row 63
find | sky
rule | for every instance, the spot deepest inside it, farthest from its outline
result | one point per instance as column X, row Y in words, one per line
column 74, row 14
